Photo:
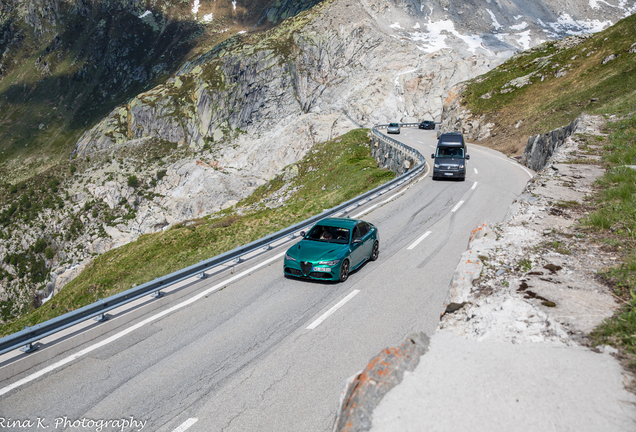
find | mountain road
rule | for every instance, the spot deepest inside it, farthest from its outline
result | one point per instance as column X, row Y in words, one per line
column 267, row 353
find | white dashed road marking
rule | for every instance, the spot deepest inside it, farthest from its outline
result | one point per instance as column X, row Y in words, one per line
column 186, row 424
column 459, row 204
column 338, row 305
column 416, row 242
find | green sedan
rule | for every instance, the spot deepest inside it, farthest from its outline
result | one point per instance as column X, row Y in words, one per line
column 331, row 249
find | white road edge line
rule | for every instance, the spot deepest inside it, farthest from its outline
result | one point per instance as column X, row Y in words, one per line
column 474, row 186
column 416, row 242
column 186, row 424
column 337, row 306
column 517, row 164
column 135, row 327
column 365, row 211
column 391, row 197
column 459, row 204
column 475, row 170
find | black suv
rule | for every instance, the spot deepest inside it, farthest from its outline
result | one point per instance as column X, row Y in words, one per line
column 427, row 124
column 450, row 156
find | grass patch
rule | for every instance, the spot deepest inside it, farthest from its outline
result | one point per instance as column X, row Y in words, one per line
column 620, row 330
column 333, row 172
column 614, row 220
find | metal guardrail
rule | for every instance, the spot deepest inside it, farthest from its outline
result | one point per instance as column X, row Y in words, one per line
column 27, row 337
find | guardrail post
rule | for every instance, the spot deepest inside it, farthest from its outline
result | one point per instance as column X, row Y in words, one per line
column 28, row 348
column 101, row 317
column 158, row 293
column 267, row 247
column 202, row 275
column 238, row 260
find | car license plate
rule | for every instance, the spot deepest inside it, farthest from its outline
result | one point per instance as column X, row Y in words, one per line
column 321, row 269
column 448, row 173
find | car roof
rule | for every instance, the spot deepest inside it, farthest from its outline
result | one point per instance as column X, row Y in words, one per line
column 339, row 222
column 451, row 138
column 427, row 121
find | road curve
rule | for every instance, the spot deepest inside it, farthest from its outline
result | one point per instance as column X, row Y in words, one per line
column 265, row 353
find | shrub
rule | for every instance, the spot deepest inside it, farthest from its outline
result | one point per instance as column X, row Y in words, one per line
column 49, row 254
column 72, row 168
column 39, row 246
column 133, row 181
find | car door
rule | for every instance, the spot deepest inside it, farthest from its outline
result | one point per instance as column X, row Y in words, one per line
column 367, row 239
column 357, row 247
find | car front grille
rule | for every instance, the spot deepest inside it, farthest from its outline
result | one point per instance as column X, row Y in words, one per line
column 320, row 275
column 293, row 271
column 305, row 267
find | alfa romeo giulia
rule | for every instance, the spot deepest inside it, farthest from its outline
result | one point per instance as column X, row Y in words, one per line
column 332, row 249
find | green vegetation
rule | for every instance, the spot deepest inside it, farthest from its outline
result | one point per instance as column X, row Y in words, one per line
column 615, row 203
column 620, row 330
column 333, row 172
column 561, row 83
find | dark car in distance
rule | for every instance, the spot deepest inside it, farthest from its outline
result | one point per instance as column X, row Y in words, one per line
column 331, row 249
column 427, row 124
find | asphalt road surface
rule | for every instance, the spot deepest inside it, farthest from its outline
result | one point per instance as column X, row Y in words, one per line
column 266, row 353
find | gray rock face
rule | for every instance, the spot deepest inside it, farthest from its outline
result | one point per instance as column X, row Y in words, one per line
column 541, row 147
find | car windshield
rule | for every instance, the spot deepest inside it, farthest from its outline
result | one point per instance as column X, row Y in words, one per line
column 449, row 152
column 328, row 234
column 393, row 125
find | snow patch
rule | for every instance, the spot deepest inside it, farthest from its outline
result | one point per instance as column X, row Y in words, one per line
column 208, row 17
column 568, row 25
column 416, row 26
column 234, row 4
column 495, row 23
column 395, row 26
column 594, row 4
column 435, row 38
column 145, row 14
column 196, row 6
column 523, row 39
column 521, row 26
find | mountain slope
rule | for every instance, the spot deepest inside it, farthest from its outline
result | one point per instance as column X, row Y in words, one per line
column 66, row 64
column 548, row 87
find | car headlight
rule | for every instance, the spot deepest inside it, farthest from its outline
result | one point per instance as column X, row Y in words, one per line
column 289, row 257
column 329, row 263
column 436, row 165
column 461, row 167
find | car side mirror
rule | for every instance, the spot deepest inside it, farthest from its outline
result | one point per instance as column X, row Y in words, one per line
column 357, row 241
column 432, row 156
column 467, row 157
column 302, row 233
